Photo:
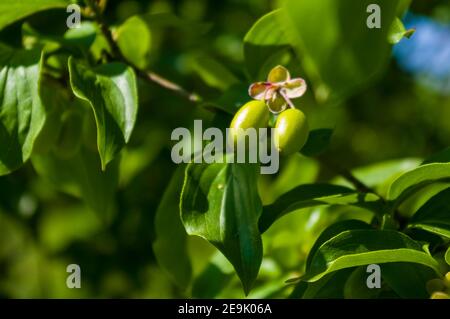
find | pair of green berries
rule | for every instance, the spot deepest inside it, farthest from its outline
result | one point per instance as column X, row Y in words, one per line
column 291, row 126
column 439, row 288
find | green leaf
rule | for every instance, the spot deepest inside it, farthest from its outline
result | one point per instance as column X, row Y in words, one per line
column 363, row 247
column 137, row 52
column 22, row 115
column 440, row 157
column 220, row 203
column 54, row 99
column 81, row 176
column 212, row 72
column 310, row 195
column 167, row 19
column 111, row 91
column 328, row 287
column 434, row 215
column 265, row 39
column 412, row 181
column 339, row 52
column 397, row 32
column 15, row 10
column 381, row 174
column 447, row 256
column 407, row 280
column 214, row 278
column 84, row 36
column 170, row 245
column 355, row 287
column 231, row 100
column 331, row 231
column 317, row 143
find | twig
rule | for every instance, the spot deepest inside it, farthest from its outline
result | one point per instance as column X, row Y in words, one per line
column 146, row 75
column 348, row 176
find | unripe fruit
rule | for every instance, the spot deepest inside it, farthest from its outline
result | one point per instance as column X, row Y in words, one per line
column 440, row 295
column 447, row 279
column 253, row 114
column 291, row 131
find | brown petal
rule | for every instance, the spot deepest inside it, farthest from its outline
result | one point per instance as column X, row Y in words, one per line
column 258, row 90
column 278, row 74
column 276, row 103
column 295, row 88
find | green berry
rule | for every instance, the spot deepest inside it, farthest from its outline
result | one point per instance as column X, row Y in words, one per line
column 253, row 114
column 440, row 295
column 447, row 279
column 291, row 131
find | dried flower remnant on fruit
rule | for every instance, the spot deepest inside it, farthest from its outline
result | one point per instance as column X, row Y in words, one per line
column 278, row 90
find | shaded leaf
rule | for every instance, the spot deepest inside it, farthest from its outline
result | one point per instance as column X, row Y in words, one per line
column 406, row 279
column 339, row 54
column 440, row 157
column 81, row 176
column 434, row 215
column 355, row 286
column 310, row 195
column 213, row 279
column 212, row 72
column 329, row 287
column 317, row 142
column 170, row 245
column 111, row 91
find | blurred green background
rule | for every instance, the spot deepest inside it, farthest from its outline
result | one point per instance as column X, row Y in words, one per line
column 404, row 115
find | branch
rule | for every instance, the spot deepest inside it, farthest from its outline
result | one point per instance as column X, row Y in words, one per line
column 348, row 176
column 149, row 76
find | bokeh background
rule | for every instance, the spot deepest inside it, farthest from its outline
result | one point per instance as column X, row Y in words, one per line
column 390, row 125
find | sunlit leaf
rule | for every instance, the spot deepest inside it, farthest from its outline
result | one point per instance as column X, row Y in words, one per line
column 137, row 52
column 397, row 32
column 363, row 247
column 111, row 91
column 413, row 180
column 220, row 203
column 22, row 115
column 14, row 10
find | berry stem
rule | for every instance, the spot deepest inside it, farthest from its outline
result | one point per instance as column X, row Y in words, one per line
column 288, row 100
